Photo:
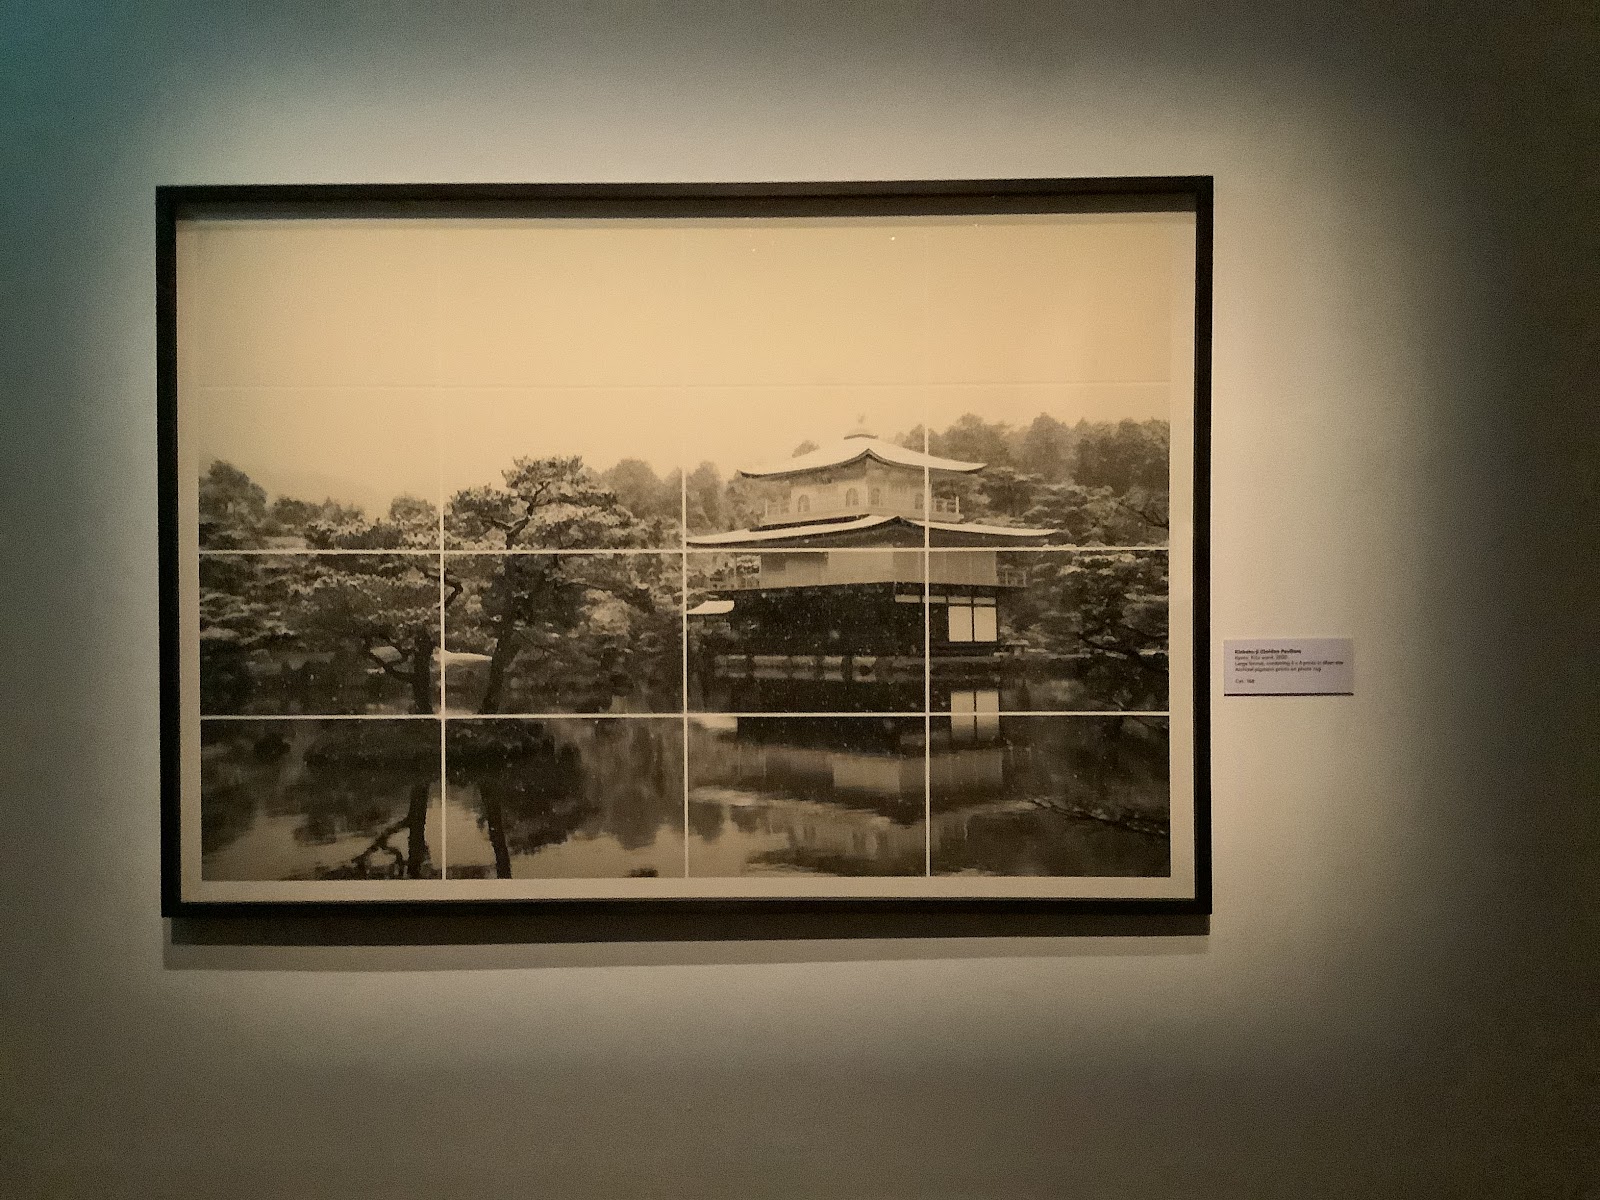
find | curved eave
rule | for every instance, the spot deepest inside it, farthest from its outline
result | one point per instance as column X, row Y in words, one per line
column 886, row 532
column 844, row 456
column 1003, row 532
column 782, row 535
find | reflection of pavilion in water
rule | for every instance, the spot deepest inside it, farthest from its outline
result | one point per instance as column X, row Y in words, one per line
column 820, row 606
column 820, row 795
column 1007, row 795
column 872, row 764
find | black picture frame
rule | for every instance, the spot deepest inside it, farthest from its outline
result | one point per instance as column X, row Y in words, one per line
column 674, row 915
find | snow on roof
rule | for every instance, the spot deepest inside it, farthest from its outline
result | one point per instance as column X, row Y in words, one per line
column 988, row 530
column 853, row 448
column 711, row 608
column 780, row 533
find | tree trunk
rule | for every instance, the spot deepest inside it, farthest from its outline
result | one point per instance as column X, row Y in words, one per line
column 505, row 650
column 417, row 831
column 494, row 819
column 421, row 673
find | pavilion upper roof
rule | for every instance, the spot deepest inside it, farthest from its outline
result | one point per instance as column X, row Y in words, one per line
column 853, row 448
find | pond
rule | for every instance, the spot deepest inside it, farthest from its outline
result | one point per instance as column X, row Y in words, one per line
column 579, row 797
column 971, row 792
column 306, row 799
column 807, row 795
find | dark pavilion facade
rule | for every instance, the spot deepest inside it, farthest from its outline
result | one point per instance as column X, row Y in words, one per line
column 819, row 606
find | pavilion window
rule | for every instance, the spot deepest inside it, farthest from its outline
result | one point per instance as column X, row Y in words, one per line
column 875, row 497
column 974, row 716
column 960, row 621
column 985, row 621
column 803, row 504
column 851, row 498
column 972, row 619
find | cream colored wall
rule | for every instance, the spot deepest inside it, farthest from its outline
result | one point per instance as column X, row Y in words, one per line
column 1396, row 995
column 963, row 566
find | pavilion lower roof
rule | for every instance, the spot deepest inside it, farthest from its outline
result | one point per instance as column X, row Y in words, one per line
column 889, row 531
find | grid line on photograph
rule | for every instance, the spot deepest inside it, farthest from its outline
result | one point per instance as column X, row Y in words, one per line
column 572, row 716
column 444, row 706
column 1064, row 548
column 309, row 551
column 927, row 607
column 927, row 663
column 458, row 552
column 444, row 795
column 455, row 551
column 683, row 613
column 319, row 716
column 665, row 714
column 680, row 252
column 780, row 715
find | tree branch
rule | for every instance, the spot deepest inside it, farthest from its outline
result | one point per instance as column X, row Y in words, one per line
column 513, row 532
column 1140, row 513
column 388, row 667
column 381, row 842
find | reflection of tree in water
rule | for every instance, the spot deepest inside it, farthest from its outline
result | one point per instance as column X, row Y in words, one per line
column 1083, row 682
column 540, row 784
column 811, row 860
column 706, row 820
column 382, row 859
column 364, row 779
column 1113, row 770
column 358, row 775
column 1035, row 842
column 747, row 819
column 1066, row 796
column 538, row 804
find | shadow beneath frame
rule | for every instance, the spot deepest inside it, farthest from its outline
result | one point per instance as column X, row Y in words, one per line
column 760, row 934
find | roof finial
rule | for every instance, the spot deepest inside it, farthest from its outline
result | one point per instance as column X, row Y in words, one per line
column 861, row 430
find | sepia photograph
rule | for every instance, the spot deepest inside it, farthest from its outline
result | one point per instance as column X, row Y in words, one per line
column 829, row 550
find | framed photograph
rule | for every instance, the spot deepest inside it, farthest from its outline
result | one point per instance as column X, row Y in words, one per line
column 640, row 545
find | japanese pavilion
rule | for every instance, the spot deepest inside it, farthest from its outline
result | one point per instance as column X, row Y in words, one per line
column 829, row 586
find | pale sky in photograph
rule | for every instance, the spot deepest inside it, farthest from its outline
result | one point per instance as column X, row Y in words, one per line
column 362, row 359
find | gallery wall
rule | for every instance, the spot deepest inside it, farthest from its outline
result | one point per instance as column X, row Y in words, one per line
column 1395, row 997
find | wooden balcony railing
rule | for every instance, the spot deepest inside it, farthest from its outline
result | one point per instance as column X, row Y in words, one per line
column 726, row 581
column 943, row 507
